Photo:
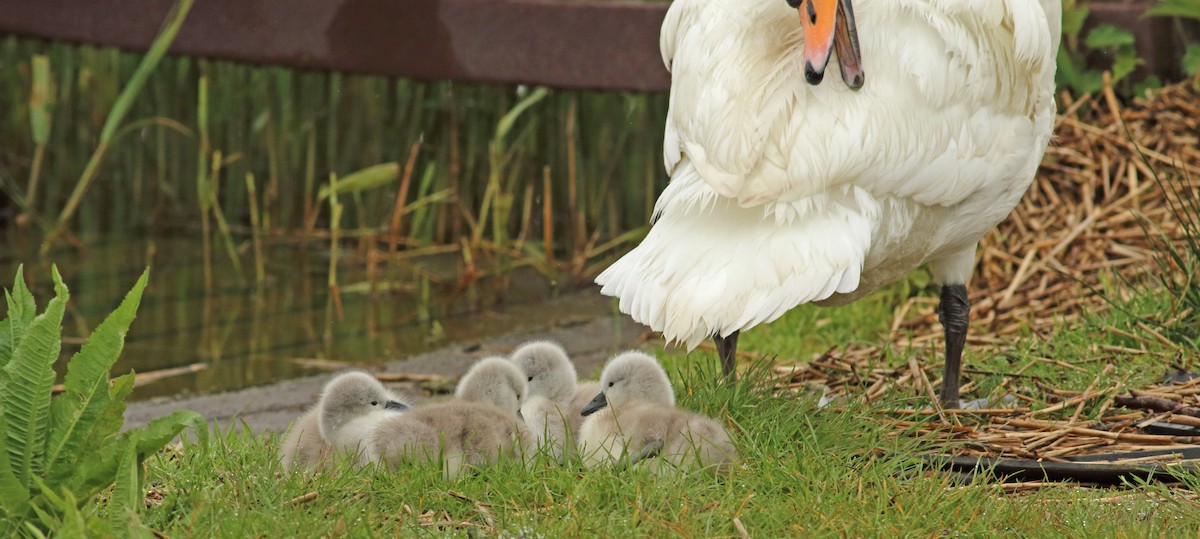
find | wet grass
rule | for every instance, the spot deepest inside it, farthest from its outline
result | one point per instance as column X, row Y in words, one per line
column 809, row 471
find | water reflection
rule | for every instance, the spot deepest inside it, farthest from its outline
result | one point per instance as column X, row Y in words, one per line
column 242, row 335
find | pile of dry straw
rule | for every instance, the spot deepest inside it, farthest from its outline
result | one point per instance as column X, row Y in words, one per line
column 1081, row 221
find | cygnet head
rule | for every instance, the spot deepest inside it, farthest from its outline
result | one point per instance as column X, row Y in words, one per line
column 632, row 376
column 494, row 381
column 548, row 370
column 352, row 395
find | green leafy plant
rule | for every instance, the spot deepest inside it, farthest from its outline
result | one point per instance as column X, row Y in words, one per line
column 58, row 452
column 1115, row 43
column 1175, row 8
column 1191, row 60
column 1187, row 9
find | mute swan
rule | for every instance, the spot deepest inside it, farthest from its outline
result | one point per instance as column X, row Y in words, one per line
column 786, row 192
column 349, row 405
column 548, row 370
column 493, row 381
column 481, row 425
column 549, row 424
column 304, row 446
column 635, row 414
column 555, row 398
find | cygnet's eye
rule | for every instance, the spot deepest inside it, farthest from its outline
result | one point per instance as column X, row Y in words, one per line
column 374, row 403
column 610, row 384
column 530, row 378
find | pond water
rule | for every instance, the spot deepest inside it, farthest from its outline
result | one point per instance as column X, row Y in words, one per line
column 239, row 334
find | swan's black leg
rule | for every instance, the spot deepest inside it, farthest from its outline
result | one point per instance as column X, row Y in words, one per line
column 727, row 351
column 953, row 311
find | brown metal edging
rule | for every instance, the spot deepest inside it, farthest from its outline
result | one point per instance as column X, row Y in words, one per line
column 562, row 44
column 1085, row 469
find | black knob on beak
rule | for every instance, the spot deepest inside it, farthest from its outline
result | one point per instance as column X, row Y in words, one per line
column 811, row 74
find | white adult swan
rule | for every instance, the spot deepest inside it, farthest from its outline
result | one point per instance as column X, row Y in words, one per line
column 785, row 191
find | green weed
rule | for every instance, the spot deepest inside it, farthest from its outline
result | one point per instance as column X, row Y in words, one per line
column 57, row 454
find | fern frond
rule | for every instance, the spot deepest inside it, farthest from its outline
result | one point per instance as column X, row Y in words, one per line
column 58, row 513
column 97, row 472
column 25, row 402
column 112, row 417
column 127, row 491
column 21, row 309
column 76, row 411
column 14, row 497
column 100, row 441
column 160, row 431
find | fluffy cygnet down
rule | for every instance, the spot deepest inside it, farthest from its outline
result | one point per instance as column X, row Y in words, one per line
column 552, row 410
column 304, row 446
column 495, row 382
column 348, row 403
column 634, row 419
column 548, row 425
column 548, row 370
column 482, row 424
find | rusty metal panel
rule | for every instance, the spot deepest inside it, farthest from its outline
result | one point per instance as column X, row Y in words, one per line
column 579, row 44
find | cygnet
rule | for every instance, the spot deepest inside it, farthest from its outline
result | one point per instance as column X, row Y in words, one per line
column 305, row 447
column 349, row 403
column 634, row 419
column 555, row 399
column 493, row 381
column 480, row 425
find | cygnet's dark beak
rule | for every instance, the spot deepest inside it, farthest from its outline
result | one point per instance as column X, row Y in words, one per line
column 395, row 406
column 597, row 403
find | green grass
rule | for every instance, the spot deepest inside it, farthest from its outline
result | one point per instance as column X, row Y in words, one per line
column 804, row 471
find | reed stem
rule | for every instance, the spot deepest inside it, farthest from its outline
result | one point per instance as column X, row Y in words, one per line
column 120, row 108
column 260, row 272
